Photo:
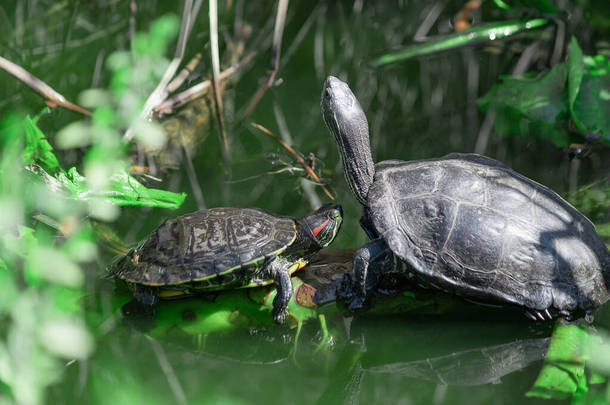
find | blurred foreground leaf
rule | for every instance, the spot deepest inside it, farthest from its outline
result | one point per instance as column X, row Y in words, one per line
column 483, row 32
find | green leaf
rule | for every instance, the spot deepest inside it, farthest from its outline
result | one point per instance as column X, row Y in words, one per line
column 544, row 6
column 563, row 372
column 530, row 108
column 122, row 190
column 37, row 149
column 484, row 32
column 576, row 68
column 502, row 5
column 591, row 107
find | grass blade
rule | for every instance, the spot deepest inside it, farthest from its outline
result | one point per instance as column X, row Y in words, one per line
column 485, row 32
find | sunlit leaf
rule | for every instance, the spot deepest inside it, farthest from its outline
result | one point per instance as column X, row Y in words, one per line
column 484, row 32
column 563, row 372
column 37, row 149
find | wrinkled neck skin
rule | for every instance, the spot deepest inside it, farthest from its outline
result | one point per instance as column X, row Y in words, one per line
column 346, row 121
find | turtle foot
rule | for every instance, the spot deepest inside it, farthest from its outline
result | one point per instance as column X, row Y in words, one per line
column 349, row 293
column 280, row 315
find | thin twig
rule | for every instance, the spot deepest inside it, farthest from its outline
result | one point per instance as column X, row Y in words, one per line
column 269, row 173
column 198, row 90
column 52, row 97
column 520, row 67
column 298, row 39
column 278, row 32
column 297, row 156
column 158, row 93
column 184, row 73
column 421, row 34
column 192, row 175
column 133, row 9
column 226, row 157
column 306, row 185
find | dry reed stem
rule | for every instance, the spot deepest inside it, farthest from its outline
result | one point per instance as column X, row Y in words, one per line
column 52, row 97
column 226, row 157
column 278, row 32
column 159, row 93
column 198, row 90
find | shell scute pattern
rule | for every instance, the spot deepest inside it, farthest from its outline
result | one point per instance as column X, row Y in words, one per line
column 209, row 246
column 477, row 227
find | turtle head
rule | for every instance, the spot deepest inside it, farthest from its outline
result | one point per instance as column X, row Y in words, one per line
column 346, row 121
column 323, row 224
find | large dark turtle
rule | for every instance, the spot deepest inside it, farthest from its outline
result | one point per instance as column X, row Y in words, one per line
column 222, row 248
column 466, row 224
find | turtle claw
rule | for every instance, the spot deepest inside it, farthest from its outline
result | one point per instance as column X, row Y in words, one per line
column 530, row 315
column 539, row 315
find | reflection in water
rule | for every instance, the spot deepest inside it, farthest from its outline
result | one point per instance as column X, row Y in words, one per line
column 472, row 367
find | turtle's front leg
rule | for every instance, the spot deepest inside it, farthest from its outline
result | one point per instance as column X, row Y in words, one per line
column 146, row 295
column 279, row 270
column 365, row 272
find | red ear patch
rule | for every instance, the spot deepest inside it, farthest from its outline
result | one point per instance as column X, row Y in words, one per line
column 317, row 229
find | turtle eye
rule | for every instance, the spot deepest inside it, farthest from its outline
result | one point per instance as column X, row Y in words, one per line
column 327, row 94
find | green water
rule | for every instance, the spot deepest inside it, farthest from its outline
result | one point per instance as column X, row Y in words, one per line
column 418, row 109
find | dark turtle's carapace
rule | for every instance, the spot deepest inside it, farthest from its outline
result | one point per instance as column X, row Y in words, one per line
column 224, row 248
column 466, row 224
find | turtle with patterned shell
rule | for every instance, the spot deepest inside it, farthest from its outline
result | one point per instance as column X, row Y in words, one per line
column 466, row 224
column 225, row 248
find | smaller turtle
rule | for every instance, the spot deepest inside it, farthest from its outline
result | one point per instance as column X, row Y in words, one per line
column 224, row 248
